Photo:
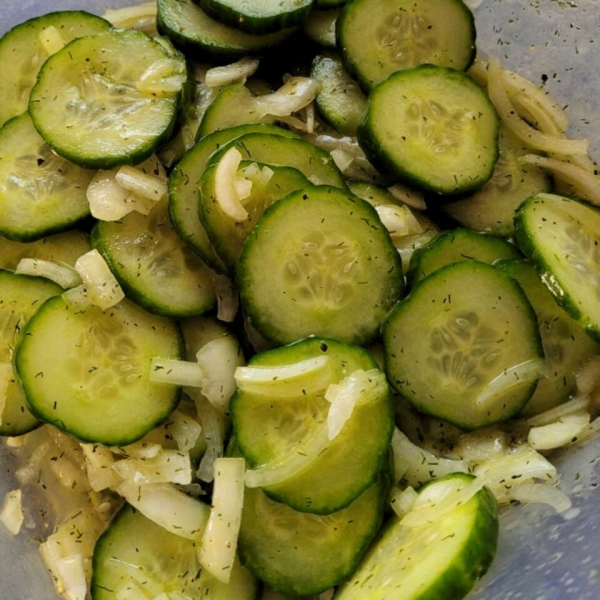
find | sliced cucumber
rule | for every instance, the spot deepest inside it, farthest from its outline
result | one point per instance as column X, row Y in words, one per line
column 190, row 28
column 22, row 53
column 266, row 430
column 438, row 561
column 228, row 236
column 184, row 193
column 561, row 237
column 319, row 262
column 433, row 127
column 320, row 27
column 87, row 372
column 153, row 265
column 380, row 37
column 20, row 297
column 481, row 336
column 341, row 102
column 458, row 245
column 325, row 4
column 566, row 346
column 135, row 554
column 89, row 106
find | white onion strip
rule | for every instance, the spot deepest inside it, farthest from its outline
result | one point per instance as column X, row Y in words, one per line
column 211, row 426
column 176, row 372
column 237, row 72
column 11, row 515
column 141, row 17
column 62, row 275
column 560, row 433
column 402, row 501
column 558, row 412
column 170, row 466
column 143, row 184
column 292, row 96
column 225, row 190
column 541, row 493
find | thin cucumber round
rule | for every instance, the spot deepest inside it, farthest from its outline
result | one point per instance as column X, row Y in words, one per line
column 136, row 555
column 379, row 37
column 89, row 106
column 438, row 561
column 561, row 237
column 87, row 372
column 458, row 245
column 320, row 27
column 319, row 262
column 432, row 127
column 265, row 430
column 479, row 330
column 22, row 53
column 20, row 297
column 153, row 265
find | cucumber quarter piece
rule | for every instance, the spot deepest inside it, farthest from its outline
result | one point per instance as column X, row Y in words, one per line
column 432, row 127
column 438, row 561
column 267, row 430
column 465, row 330
column 153, row 265
column 23, row 52
column 137, row 555
column 90, row 106
column 319, row 262
column 40, row 192
column 561, row 236
column 566, row 346
column 379, row 37
column 20, row 297
column 87, row 372
column 319, row 27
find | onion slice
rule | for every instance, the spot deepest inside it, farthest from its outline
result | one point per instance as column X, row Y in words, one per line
column 62, row 275
column 225, row 190
column 147, row 186
column 237, row 72
column 170, row 466
column 176, row 372
column 292, row 96
column 560, row 433
column 141, row 17
column 541, row 493
column 398, row 220
column 402, row 501
column 11, row 515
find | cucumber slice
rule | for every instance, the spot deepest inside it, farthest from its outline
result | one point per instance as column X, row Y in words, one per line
column 492, row 209
column 561, row 237
column 319, row 262
column 227, row 235
column 153, row 265
column 87, row 372
column 184, row 193
column 321, row 5
column 22, row 53
column 87, row 106
column 265, row 16
column 21, row 296
column 458, row 245
column 481, row 330
column 380, row 37
column 433, row 127
column 566, row 346
column 138, row 555
column 437, row 561
column 267, row 430
column 341, row 102
column 40, row 193
column 190, row 28
column 320, row 27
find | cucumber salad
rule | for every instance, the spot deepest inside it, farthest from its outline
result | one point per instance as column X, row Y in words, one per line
column 295, row 297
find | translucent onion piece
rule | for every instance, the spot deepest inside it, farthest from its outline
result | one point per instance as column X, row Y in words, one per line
column 349, row 145
column 398, row 220
column 294, row 123
column 310, row 117
column 170, row 466
column 588, row 379
column 225, row 192
column 295, row 380
column 219, row 543
column 560, row 433
column 210, row 419
column 342, row 159
column 51, row 40
column 141, row 17
column 99, row 461
column 228, row 300
column 407, row 196
column 184, row 430
column 6, row 376
column 11, row 515
column 140, row 449
column 541, row 493
column 71, row 573
column 63, row 275
column 482, row 445
column 294, row 95
column 558, row 412
column 243, row 187
column 144, row 185
column 403, row 500
column 176, row 372
column 163, row 77
column 237, row 72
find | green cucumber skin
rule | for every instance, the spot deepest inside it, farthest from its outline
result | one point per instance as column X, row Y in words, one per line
column 327, row 4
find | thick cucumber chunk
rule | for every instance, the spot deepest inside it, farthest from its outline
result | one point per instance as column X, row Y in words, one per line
column 136, row 555
column 438, row 561
column 92, row 103
column 380, row 37
column 20, row 297
column 319, row 262
column 40, row 193
column 566, row 346
column 561, row 235
column 24, row 49
column 267, row 429
column 258, row 16
column 153, row 265
column 269, row 184
column 432, row 127
column 455, row 246
column 480, row 361
column 320, row 27
column 87, row 372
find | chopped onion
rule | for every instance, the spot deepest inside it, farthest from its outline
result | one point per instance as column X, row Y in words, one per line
column 541, row 493
column 237, row 72
column 163, row 77
column 403, row 500
column 6, row 376
column 228, row 300
column 294, row 95
column 99, row 461
column 295, row 380
column 11, row 515
column 243, row 187
column 63, row 275
column 588, row 379
column 398, row 220
column 184, row 430
column 225, row 192
column 168, row 507
column 141, row 17
column 30, row 470
column 482, row 445
column 560, row 433
column 219, row 543
column 210, row 419
column 176, row 372
column 347, row 144
column 51, row 40
column 144, row 185
column 140, row 449
column 558, row 412
column 342, row 159
column 170, row 466
column 408, row 196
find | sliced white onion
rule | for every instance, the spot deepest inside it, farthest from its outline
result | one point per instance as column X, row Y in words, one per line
column 63, row 275
column 310, row 117
column 176, row 372
column 210, row 419
column 163, row 77
column 71, row 573
column 141, row 449
column 560, row 433
column 408, row 196
column 398, row 220
column 558, row 412
column 294, row 95
column 219, row 543
column 6, row 376
column 294, row 123
column 588, row 379
column 11, row 515
column 295, row 380
column 342, row 159
column 482, row 445
column 141, row 17
column 225, row 192
column 170, row 466
column 235, row 73
column 147, row 186
column 402, row 501
column 243, row 187
column 51, row 40
column 184, row 430
column 541, row 493
column 228, row 300
column 99, row 461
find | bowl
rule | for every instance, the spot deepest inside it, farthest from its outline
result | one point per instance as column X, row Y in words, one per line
column 541, row 556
